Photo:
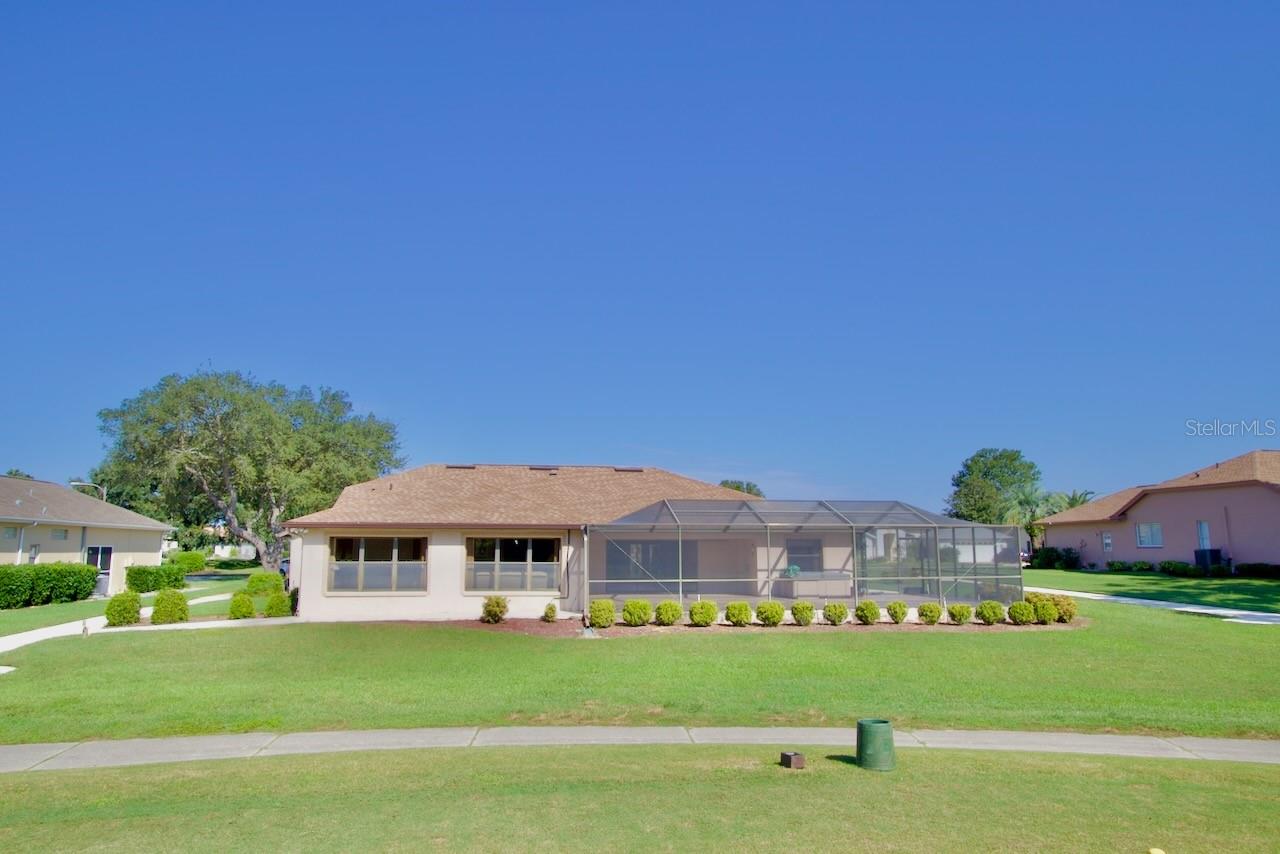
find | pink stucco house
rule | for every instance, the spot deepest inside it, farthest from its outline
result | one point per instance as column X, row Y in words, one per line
column 1233, row 506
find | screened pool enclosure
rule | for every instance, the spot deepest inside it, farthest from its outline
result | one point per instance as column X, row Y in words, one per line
column 789, row 550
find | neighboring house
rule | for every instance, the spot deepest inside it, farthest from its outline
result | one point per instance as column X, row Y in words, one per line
column 43, row 522
column 432, row 542
column 1232, row 506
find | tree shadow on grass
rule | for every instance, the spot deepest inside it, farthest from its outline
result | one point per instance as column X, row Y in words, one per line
column 843, row 758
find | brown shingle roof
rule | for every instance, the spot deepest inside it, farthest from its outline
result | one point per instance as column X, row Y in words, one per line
column 507, row 496
column 24, row 500
column 1262, row 466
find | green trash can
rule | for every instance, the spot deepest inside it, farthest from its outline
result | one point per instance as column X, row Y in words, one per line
column 875, row 744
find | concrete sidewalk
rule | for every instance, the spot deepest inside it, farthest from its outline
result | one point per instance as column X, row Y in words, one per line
column 1230, row 615
column 143, row 751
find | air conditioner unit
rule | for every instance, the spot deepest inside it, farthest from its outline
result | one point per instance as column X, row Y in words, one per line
column 1206, row 558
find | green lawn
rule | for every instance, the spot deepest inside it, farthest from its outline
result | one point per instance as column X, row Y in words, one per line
column 1255, row 594
column 664, row 798
column 1129, row 670
column 17, row 620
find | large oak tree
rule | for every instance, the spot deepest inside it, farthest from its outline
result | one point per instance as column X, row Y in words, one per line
column 248, row 454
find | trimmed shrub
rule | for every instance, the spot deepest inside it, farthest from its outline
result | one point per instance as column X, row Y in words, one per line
column 277, row 605
column 15, row 586
column 637, row 612
column 124, row 609
column 1034, row 598
column 1066, row 607
column 990, row 612
column 738, row 614
column 702, row 613
column 1218, row 570
column 145, row 579
column 668, row 613
column 170, row 607
column 769, row 613
column 867, row 612
column 549, row 613
column 1141, row 566
column 241, row 607
column 897, row 610
column 1022, row 613
column 41, row 583
column 1070, row 559
column 835, row 613
column 929, row 613
column 264, row 584
column 1046, row 613
column 1046, row 557
column 1258, row 570
column 959, row 613
column 1119, row 566
column 601, row 614
column 188, row 561
column 802, row 613
column 494, row 609
column 1181, row 569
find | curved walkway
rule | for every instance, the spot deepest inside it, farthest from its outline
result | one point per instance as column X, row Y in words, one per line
column 1230, row 615
column 143, row 751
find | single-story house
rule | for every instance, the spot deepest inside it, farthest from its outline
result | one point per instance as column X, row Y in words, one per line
column 1229, row 510
column 43, row 522
column 432, row 542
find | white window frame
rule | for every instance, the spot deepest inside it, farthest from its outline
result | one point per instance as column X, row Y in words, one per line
column 330, row 590
column 1107, row 544
column 467, row 563
column 1154, row 538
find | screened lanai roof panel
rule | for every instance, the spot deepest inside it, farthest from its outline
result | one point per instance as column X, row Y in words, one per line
column 756, row 515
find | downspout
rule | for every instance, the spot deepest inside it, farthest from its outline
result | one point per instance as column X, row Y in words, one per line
column 586, row 572
column 22, row 532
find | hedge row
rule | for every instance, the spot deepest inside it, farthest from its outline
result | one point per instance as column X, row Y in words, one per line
column 27, row 584
column 1182, row 569
column 144, row 579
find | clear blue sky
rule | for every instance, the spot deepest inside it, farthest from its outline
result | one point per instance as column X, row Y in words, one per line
column 830, row 248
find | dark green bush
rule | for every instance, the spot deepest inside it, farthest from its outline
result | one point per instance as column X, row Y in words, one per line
column 124, row 609
column 897, row 610
column 668, row 613
column 929, row 613
column 145, row 579
column 231, row 563
column 1046, row 557
column 241, row 607
column 737, row 614
column 1066, row 607
column 15, row 586
column 1218, row 570
column 494, row 609
column 867, row 612
column 549, row 613
column 1141, row 566
column 835, row 613
column 1022, row 613
column 1070, row 559
column 188, row 562
column 294, row 594
column 277, row 605
column 802, row 613
column 990, row 612
column 170, row 607
column 601, row 614
column 1046, row 613
column 769, row 613
column 264, row 583
column 1258, row 570
column 41, row 583
column 959, row 613
column 1119, row 566
column 1181, row 569
column 637, row 612
column 702, row 613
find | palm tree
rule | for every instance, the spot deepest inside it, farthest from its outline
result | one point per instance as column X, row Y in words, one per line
column 1027, row 505
column 1076, row 497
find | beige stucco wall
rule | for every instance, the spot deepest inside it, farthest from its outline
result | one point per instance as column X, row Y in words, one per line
column 445, row 597
column 1244, row 521
column 129, row 547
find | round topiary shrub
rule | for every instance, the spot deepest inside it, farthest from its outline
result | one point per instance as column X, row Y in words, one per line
column 769, row 613
column 637, row 612
column 601, row 614
column 264, row 583
column 170, row 607
column 124, row 609
column 241, row 606
column 1033, row 598
column 802, row 613
column 668, row 613
column 1066, row 608
column 990, row 612
column 959, row 613
column 897, row 611
column 835, row 613
column 867, row 612
column 277, row 605
column 1046, row 613
column 702, row 613
column 1022, row 614
column 494, row 609
column 189, row 561
column 738, row 614
column 929, row 613
column 549, row 613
